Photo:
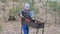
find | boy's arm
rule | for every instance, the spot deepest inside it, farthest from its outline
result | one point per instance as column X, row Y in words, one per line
column 20, row 14
column 32, row 15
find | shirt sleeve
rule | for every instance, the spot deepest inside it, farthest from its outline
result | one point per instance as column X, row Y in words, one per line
column 31, row 15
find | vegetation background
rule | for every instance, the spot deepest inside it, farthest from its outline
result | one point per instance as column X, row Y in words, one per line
column 44, row 10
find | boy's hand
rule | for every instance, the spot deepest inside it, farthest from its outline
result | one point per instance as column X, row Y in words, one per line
column 27, row 20
column 21, row 15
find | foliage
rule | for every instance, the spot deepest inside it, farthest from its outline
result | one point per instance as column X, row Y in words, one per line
column 53, row 5
column 0, row 27
column 31, row 2
column 16, row 10
column 17, row 0
column 4, row 1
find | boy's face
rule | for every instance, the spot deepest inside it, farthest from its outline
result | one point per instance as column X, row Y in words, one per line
column 27, row 8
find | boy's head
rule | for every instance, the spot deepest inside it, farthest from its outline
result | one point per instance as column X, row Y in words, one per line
column 27, row 6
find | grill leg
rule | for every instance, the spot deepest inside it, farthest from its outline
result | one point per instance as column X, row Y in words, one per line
column 43, row 29
column 37, row 31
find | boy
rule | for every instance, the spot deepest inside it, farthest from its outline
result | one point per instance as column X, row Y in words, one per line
column 25, row 28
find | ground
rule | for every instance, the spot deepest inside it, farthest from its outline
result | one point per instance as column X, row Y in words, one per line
column 15, row 28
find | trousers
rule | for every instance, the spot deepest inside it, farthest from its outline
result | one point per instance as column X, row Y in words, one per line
column 25, row 29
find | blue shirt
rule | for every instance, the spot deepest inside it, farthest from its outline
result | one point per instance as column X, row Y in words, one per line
column 30, row 13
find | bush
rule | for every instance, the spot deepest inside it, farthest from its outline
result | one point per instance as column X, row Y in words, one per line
column 55, row 6
column 16, row 10
column 4, row 1
column 0, row 27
